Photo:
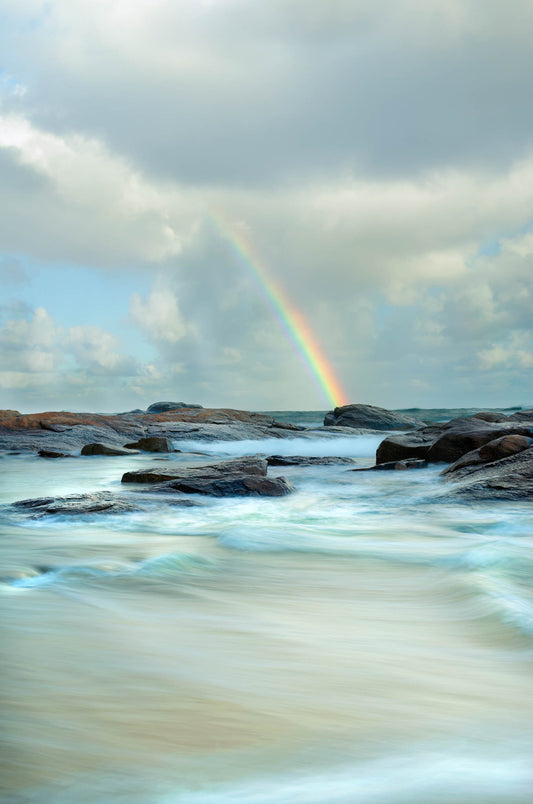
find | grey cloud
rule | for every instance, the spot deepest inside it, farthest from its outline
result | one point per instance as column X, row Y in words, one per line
column 268, row 93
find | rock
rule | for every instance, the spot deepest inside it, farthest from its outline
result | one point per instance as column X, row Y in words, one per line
column 163, row 407
column 107, row 449
column 152, row 444
column 158, row 474
column 490, row 416
column 48, row 453
column 368, row 416
column 302, row 460
column 492, row 451
column 233, row 485
column 76, row 505
column 9, row 414
column 522, row 416
column 509, row 478
column 408, row 463
column 449, row 441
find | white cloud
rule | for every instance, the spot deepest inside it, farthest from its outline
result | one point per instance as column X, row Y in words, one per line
column 158, row 315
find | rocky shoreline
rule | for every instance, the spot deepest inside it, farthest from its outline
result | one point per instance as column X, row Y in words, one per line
column 489, row 455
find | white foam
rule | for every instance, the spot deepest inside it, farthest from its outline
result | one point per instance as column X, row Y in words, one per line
column 351, row 447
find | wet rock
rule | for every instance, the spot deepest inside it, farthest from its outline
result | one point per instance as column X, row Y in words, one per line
column 107, row 449
column 49, row 453
column 233, row 485
column 509, row 478
column 158, row 474
column 163, row 407
column 490, row 416
column 369, row 416
column 492, row 451
column 408, row 463
column 76, row 505
column 152, row 444
column 447, row 442
column 302, row 460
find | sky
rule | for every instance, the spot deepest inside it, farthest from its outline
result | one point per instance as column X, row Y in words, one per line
column 374, row 156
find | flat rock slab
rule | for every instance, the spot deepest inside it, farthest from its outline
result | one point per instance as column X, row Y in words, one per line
column 238, row 485
column 408, row 463
column 152, row 444
column 160, row 474
column 76, row 505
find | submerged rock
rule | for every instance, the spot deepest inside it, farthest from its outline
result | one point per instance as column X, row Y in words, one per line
column 303, row 460
column 152, row 444
column 107, row 449
column 407, row 463
column 369, row 416
column 48, row 453
column 76, row 505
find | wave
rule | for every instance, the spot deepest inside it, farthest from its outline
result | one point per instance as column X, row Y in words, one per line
column 422, row 778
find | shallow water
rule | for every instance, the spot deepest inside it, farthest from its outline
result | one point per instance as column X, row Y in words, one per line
column 361, row 640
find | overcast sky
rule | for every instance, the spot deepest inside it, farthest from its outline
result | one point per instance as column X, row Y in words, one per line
column 379, row 154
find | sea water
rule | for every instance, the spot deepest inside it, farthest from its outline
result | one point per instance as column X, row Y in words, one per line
column 363, row 640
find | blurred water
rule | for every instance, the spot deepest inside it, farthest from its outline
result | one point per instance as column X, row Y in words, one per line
column 358, row 641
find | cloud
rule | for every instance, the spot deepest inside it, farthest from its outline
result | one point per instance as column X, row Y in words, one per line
column 158, row 315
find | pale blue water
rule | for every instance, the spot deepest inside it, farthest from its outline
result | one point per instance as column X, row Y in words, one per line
column 361, row 640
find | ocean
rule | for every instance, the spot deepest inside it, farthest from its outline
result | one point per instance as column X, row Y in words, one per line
column 361, row 641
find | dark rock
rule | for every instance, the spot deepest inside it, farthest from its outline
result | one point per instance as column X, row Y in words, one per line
column 301, row 460
column 490, row 416
column 107, row 449
column 493, row 451
column 158, row 474
column 233, row 485
column 510, row 478
column 152, row 444
column 522, row 416
column 48, row 453
column 369, row 416
column 76, row 505
column 449, row 441
column 163, row 407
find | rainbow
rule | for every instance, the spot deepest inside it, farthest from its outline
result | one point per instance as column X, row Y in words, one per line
column 291, row 320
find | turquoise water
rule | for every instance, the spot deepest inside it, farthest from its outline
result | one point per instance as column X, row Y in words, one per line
column 361, row 640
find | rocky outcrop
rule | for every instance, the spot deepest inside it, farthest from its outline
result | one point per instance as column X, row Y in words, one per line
column 107, row 449
column 68, row 432
column 370, row 417
column 509, row 478
column 76, row 505
column 407, row 463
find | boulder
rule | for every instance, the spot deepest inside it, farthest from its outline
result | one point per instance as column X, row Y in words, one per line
column 447, row 442
column 152, row 444
column 107, row 449
column 370, row 417
column 159, row 474
column 163, row 407
column 493, row 451
column 509, row 478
